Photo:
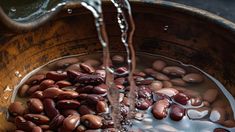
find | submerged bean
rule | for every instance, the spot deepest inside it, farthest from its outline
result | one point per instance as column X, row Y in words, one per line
column 158, row 65
column 16, row 108
column 174, row 71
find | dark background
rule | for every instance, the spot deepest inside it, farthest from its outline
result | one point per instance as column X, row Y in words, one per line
column 223, row 8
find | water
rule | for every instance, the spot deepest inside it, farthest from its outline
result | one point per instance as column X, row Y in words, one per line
column 147, row 121
column 127, row 27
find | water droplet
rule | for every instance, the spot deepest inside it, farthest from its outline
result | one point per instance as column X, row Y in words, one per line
column 166, row 28
column 17, row 74
column 70, row 11
column 13, row 9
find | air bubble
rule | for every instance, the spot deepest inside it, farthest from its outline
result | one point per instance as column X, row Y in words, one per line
column 70, row 11
column 13, row 9
column 166, row 28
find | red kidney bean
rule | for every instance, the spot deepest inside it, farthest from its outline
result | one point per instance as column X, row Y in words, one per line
column 70, row 112
column 193, row 78
column 37, row 94
column 45, row 127
column 181, row 98
column 35, row 79
column 87, row 68
column 118, row 59
column 144, row 82
column 198, row 113
column 80, row 128
column 18, row 120
column 142, row 104
column 101, row 107
column 159, row 109
column 50, row 108
column 99, row 90
column 26, row 126
column 37, row 118
column 160, row 96
column 85, row 89
column 177, row 112
column 92, row 121
column 90, row 79
column 52, row 92
column 217, row 115
column 120, row 81
column 149, row 71
column 70, row 88
column 63, row 63
column 197, row 101
column 92, row 62
column 156, row 85
column 188, row 92
column 159, row 65
column 210, row 95
column 178, row 82
column 174, row 71
column 33, row 89
column 16, row 108
column 63, row 83
column 22, row 91
column 167, row 84
column 46, row 84
column 68, row 95
column 71, row 122
column 67, row 104
column 35, row 105
column 56, row 122
column 139, row 73
column 74, row 67
column 168, row 91
column 220, row 130
column 84, row 109
column 160, row 76
column 72, row 74
column 56, row 75
column 144, row 94
column 37, row 129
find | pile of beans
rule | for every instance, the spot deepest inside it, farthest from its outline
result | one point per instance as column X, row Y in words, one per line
column 73, row 97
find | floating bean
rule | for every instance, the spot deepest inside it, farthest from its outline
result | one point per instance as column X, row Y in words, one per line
column 159, row 109
column 181, row 98
column 177, row 112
